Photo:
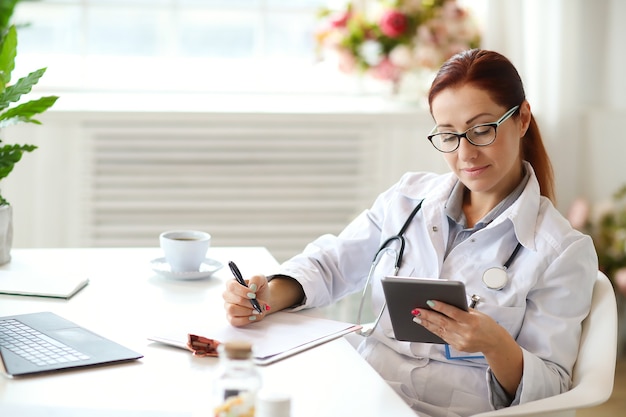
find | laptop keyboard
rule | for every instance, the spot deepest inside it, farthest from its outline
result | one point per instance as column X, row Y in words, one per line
column 35, row 346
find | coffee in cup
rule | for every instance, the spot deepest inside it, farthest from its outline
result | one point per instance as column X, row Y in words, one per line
column 185, row 250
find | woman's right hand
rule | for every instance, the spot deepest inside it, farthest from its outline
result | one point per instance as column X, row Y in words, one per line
column 239, row 309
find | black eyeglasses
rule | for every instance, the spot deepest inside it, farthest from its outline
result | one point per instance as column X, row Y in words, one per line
column 479, row 135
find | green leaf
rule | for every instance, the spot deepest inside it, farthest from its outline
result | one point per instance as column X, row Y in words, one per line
column 10, row 155
column 6, row 11
column 8, row 52
column 24, row 112
column 23, row 86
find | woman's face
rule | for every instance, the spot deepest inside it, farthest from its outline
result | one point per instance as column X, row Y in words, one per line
column 493, row 170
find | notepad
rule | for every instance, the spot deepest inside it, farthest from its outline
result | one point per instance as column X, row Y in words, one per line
column 41, row 284
column 276, row 337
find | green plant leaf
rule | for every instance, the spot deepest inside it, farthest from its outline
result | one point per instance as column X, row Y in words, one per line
column 10, row 155
column 23, row 86
column 8, row 51
column 6, row 11
column 24, row 112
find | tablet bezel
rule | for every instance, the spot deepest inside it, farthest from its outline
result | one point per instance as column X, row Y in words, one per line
column 403, row 294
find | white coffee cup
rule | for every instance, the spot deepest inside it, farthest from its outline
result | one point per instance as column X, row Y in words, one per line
column 185, row 250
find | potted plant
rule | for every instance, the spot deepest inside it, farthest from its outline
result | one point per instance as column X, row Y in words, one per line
column 13, row 110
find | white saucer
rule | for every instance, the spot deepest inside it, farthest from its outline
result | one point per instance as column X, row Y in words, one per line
column 207, row 268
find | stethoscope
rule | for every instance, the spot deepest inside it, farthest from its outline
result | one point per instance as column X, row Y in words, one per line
column 494, row 278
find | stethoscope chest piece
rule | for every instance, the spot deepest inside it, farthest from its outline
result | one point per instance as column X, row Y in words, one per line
column 495, row 278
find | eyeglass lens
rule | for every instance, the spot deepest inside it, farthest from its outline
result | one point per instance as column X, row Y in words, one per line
column 478, row 135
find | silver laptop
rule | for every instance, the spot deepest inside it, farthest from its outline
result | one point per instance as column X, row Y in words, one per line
column 45, row 342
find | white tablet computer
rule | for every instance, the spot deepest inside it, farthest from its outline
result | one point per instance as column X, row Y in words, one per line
column 403, row 294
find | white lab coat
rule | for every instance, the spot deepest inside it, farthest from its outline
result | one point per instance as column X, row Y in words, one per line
column 547, row 296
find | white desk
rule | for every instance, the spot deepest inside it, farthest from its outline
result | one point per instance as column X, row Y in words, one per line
column 126, row 302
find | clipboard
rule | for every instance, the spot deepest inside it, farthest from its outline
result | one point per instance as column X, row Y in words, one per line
column 403, row 294
column 278, row 336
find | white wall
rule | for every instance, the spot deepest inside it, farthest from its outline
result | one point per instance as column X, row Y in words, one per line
column 615, row 81
column 602, row 59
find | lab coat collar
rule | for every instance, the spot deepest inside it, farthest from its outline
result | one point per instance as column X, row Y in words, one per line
column 433, row 188
column 523, row 213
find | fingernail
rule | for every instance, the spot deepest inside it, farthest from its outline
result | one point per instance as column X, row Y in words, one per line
column 256, row 313
column 417, row 320
column 430, row 303
column 253, row 287
column 415, row 312
column 267, row 307
column 251, row 295
column 252, row 318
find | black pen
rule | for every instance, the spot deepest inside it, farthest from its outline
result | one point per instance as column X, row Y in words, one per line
column 240, row 280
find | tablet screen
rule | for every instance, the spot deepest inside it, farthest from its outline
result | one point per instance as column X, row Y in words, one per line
column 403, row 294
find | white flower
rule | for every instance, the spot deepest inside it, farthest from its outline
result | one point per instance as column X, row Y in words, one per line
column 372, row 52
column 375, row 10
column 428, row 55
column 402, row 56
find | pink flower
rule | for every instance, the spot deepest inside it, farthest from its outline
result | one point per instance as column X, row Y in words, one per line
column 393, row 23
column 578, row 213
column 340, row 20
column 452, row 11
column 386, row 70
column 347, row 63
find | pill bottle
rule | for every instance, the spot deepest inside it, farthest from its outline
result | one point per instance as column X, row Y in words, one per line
column 237, row 381
column 273, row 404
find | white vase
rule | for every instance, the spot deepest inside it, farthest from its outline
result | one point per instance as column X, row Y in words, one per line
column 6, row 233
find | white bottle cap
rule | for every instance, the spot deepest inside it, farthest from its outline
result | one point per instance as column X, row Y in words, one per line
column 272, row 404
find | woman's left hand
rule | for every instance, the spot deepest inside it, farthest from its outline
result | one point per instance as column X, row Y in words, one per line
column 465, row 331
column 473, row 331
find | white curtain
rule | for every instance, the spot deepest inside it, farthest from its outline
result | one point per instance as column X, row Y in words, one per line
column 570, row 56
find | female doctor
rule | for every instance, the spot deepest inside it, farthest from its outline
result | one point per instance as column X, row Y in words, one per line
column 489, row 223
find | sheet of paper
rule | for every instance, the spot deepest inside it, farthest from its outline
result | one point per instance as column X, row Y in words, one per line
column 40, row 284
column 279, row 335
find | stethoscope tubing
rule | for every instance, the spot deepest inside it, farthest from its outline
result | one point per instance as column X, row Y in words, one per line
column 493, row 278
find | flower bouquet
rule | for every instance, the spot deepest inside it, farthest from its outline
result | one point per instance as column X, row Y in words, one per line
column 606, row 224
column 390, row 39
